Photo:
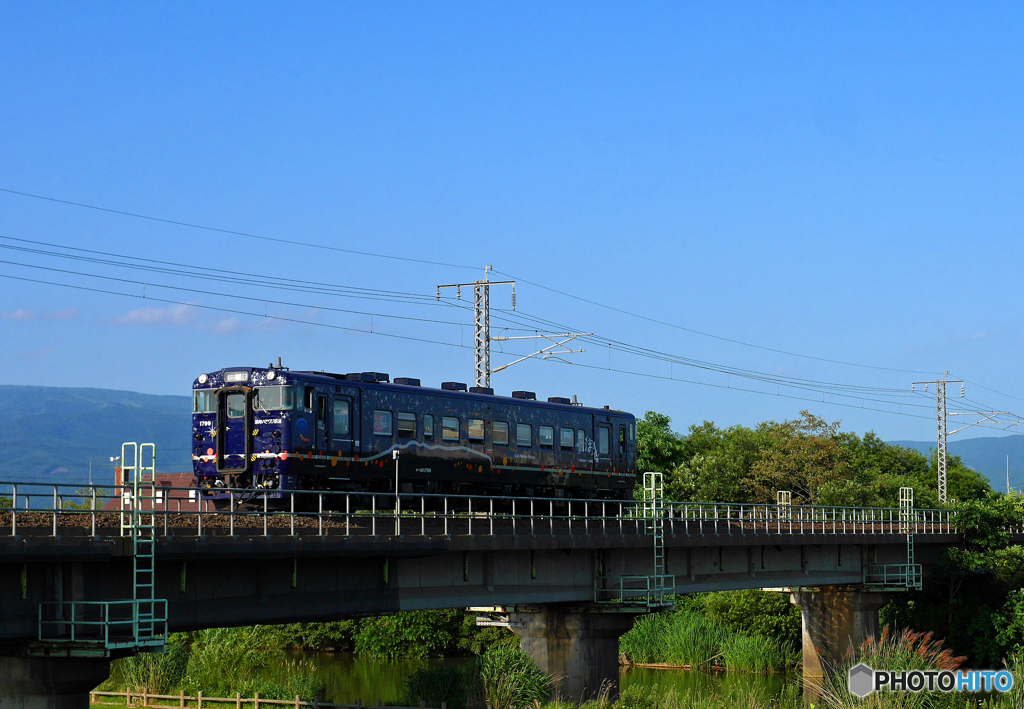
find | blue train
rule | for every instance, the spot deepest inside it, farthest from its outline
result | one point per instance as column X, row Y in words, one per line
column 272, row 429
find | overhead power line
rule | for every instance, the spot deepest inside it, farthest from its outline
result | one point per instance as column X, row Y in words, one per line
column 428, row 341
column 306, row 244
column 247, row 235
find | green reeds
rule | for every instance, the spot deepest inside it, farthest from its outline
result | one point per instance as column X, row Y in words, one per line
column 507, row 678
column 681, row 639
column 755, row 654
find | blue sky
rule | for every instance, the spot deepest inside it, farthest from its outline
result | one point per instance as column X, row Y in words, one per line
column 841, row 182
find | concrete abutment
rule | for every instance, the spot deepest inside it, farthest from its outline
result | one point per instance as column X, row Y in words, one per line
column 50, row 682
column 580, row 647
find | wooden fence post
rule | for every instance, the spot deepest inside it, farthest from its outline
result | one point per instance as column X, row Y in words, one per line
column 256, row 701
column 181, row 699
column 199, row 699
column 297, row 701
column 238, row 700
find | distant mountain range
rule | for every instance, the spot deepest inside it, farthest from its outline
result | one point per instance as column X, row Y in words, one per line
column 986, row 455
column 51, row 434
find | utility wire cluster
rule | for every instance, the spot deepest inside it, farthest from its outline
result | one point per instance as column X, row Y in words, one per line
column 253, row 294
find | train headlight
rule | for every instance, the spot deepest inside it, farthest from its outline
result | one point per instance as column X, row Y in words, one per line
column 203, row 379
column 271, row 375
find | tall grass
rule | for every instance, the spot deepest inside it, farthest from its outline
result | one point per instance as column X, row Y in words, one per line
column 906, row 650
column 755, row 653
column 684, row 638
column 218, row 662
column 507, row 678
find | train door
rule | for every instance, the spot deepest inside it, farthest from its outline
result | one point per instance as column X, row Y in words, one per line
column 233, row 424
column 321, row 423
column 344, row 422
column 603, row 459
column 620, row 458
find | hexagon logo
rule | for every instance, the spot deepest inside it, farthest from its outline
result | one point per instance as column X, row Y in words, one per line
column 860, row 680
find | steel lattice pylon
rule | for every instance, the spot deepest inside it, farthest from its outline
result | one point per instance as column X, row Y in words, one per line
column 941, row 452
column 482, row 335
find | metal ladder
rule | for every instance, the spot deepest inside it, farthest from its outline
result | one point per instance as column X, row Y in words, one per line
column 654, row 521
column 906, row 527
column 99, row 628
column 894, row 577
column 142, row 530
column 647, row 592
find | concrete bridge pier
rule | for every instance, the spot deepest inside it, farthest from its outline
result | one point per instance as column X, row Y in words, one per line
column 836, row 620
column 578, row 645
column 50, row 682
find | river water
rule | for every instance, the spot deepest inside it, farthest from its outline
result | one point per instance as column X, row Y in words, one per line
column 350, row 677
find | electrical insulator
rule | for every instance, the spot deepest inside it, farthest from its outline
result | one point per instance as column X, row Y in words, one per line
column 513, row 297
column 911, row 388
column 961, row 390
column 458, row 292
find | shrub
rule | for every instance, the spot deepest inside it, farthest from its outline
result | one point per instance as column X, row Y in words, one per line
column 754, row 612
column 415, row 634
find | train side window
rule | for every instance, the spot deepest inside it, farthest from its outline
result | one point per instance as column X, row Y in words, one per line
column 501, row 433
column 406, row 424
column 581, row 440
column 205, row 402
column 546, row 436
column 321, row 413
column 450, row 428
column 476, row 429
column 622, row 440
column 342, row 412
column 567, row 438
column 307, row 400
column 524, row 434
column 604, row 439
column 236, row 406
column 428, row 425
column 382, row 423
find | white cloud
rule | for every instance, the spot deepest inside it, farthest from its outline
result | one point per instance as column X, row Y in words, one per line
column 228, row 327
column 176, row 315
column 19, row 314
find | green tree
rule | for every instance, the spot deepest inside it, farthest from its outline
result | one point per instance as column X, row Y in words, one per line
column 807, row 458
column 658, row 448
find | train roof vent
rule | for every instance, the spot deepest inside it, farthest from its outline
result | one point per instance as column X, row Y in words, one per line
column 453, row 386
column 407, row 381
column 607, row 408
column 376, row 377
column 558, row 400
column 354, row 377
column 482, row 390
column 528, row 395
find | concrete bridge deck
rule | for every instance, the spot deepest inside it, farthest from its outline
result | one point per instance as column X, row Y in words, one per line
column 547, row 561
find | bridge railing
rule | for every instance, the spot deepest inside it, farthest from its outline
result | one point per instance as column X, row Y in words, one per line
column 47, row 509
